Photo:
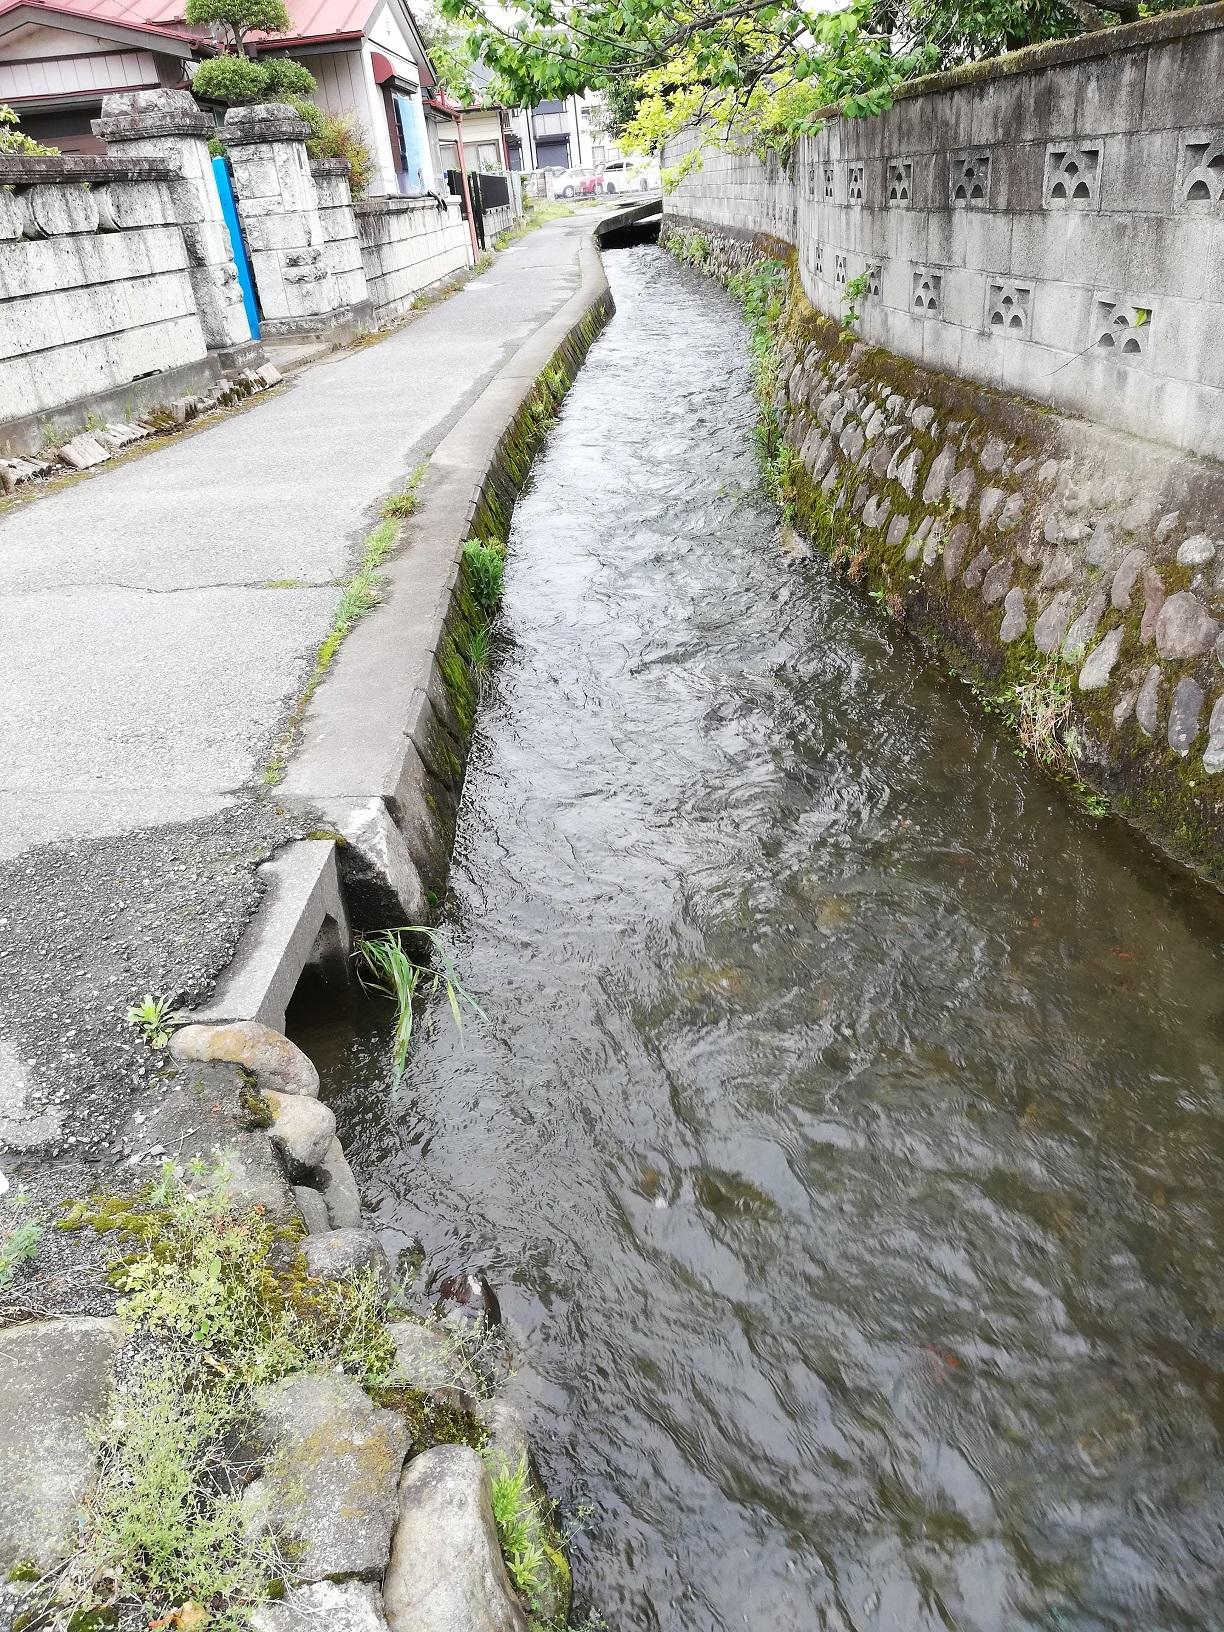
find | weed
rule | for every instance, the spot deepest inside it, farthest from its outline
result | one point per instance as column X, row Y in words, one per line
column 164, row 1527
column 233, row 1286
column 359, row 595
column 156, row 1017
column 1041, row 710
column 519, row 1526
column 384, row 964
column 477, row 651
column 853, row 293
column 19, row 1238
column 402, row 505
column 486, row 566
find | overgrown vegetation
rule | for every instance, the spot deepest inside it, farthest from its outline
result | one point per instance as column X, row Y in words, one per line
column 359, row 594
column 20, row 1235
column 166, row 1529
column 520, row 1526
column 384, row 964
column 336, row 136
column 485, row 563
column 769, row 70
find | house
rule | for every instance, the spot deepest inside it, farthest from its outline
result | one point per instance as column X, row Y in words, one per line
column 59, row 58
column 57, row 61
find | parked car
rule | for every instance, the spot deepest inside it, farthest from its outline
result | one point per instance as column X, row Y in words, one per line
column 571, row 182
column 629, row 176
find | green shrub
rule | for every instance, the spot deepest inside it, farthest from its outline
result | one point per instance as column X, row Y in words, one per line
column 285, row 79
column 486, row 567
column 336, row 136
column 229, row 79
column 13, row 140
column 519, row 1526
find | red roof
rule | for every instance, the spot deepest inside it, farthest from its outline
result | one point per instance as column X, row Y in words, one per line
column 312, row 19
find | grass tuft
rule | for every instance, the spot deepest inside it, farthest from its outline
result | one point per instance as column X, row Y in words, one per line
column 401, row 505
column 385, row 965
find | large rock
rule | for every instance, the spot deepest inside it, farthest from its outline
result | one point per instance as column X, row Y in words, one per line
column 274, row 1061
column 312, row 1208
column 1100, row 664
column 55, row 1382
column 446, row 1572
column 1184, row 627
column 429, row 1356
column 204, row 1115
column 332, row 1465
column 1213, row 758
column 340, row 1254
column 1185, row 712
column 339, row 1187
column 324, row 1606
column 302, row 1129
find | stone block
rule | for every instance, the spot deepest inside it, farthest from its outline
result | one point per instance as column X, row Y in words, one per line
column 275, row 1062
column 55, row 1381
column 446, row 1572
column 332, row 1462
column 337, row 1255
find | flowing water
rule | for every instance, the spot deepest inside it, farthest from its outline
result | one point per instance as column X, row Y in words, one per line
column 845, row 1134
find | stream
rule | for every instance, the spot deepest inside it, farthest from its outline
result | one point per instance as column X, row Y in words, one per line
column 844, row 1133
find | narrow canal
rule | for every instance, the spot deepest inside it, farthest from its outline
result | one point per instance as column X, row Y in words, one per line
column 846, row 1133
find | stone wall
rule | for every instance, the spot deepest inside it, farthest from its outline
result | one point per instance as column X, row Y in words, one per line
column 1051, row 223
column 407, row 245
column 95, row 281
column 1075, row 575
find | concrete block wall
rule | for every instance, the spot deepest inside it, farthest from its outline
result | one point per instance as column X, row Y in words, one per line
column 95, row 281
column 407, row 245
column 343, row 246
column 1050, row 224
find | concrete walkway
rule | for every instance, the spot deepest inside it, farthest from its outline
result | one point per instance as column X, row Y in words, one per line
column 158, row 618
column 157, row 621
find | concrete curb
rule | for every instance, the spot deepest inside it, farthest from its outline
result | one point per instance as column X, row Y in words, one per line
column 383, row 744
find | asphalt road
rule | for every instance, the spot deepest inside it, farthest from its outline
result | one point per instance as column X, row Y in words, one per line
column 158, row 619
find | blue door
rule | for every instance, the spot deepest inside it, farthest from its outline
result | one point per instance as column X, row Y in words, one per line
column 229, row 210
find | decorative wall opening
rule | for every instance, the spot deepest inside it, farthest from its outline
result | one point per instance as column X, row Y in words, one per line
column 969, row 181
column 1072, row 178
column 854, row 186
column 900, row 181
column 928, row 293
column 1008, row 307
column 1202, row 172
column 1122, row 330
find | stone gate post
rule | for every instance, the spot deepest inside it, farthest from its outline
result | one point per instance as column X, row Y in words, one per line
column 278, row 205
column 169, row 126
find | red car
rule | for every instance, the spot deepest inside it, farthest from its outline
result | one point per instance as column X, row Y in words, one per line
column 591, row 186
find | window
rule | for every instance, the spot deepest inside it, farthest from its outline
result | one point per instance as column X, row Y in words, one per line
column 489, row 158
